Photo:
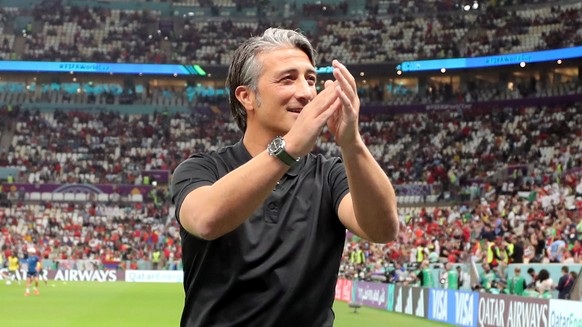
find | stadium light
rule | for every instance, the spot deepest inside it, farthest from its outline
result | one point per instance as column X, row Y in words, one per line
column 467, row 7
column 475, row 5
column 443, row 70
column 559, row 61
column 522, row 64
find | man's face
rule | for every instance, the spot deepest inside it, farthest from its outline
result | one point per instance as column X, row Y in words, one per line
column 286, row 84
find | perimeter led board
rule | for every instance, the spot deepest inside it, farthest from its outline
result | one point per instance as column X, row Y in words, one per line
column 100, row 68
column 491, row 61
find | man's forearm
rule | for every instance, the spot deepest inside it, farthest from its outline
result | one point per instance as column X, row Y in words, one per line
column 373, row 197
column 212, row 211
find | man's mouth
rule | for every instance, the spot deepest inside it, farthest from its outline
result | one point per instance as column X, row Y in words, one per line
column 294, row 110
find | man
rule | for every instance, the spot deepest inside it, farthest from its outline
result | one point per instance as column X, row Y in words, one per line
column 13, row 265
column 156, row 257
column 565, row 283
column 263, row 221
column 488, row 277
column 517, row 284
column 462, row 277
column 518, row 249
column 425, row 275
column 556, row 250
column 496, row 253
column 534, row 277
column 450, row 277
column 509, row 248
column 32, row 272
column 398, row 275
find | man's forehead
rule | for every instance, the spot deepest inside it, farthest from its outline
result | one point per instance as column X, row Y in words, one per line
column 286, row 58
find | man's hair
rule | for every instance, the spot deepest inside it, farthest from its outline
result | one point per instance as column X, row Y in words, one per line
column 565, row 269
column 245, row 68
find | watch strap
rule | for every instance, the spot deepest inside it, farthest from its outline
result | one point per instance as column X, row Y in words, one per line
column 287, row 158
column 277, row 149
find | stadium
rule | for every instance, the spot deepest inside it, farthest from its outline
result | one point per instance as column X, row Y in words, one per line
column 473, row 109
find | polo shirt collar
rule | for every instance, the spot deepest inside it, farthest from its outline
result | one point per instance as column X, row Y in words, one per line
column 242, row 155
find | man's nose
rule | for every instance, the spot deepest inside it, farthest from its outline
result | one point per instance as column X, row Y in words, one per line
column 304, row 91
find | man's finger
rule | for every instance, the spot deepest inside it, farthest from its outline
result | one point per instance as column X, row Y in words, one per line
column 343, row 71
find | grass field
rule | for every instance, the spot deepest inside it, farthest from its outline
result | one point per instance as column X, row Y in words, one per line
column 92, row 304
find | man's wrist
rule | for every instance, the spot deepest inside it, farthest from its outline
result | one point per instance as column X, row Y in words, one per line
column 277, row 148
column 353, row 148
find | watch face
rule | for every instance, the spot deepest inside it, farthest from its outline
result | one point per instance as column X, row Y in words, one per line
column 276, row 145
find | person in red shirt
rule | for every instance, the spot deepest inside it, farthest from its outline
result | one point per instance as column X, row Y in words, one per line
column 577, row 251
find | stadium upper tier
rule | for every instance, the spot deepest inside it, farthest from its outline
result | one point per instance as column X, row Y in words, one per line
column 355, row 32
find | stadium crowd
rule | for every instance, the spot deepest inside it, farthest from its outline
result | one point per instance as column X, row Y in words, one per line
column 106, row 234
column 517, row 171
column 453, row 149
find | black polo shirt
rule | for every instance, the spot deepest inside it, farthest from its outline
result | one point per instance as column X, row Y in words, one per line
column 278, row 268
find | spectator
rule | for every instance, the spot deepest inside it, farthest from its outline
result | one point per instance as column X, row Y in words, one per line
column 565, row 284
column 543, row 283
column 516, row 284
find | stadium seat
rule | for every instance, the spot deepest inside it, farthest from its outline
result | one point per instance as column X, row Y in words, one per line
column 46, row 196
column 58, row 196
column 102, row 197
column 69, row 197
column 35, row 196
column 80, row 197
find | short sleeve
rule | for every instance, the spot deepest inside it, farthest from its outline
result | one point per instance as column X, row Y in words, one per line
column 196, row 171
column 338, row 182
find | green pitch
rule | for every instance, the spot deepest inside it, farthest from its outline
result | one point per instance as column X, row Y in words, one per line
column 92, row 304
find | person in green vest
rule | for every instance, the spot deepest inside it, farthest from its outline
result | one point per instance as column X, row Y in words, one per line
column 10, row 179
column 407, row 219
column 425, row 275
column 487, row 277
column 421, row 251
column 452, row 277
column 509, row 248
column 517, row 284
column 357, row 256
column 156, row 257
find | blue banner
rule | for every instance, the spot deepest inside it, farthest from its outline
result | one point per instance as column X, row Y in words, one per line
column 491, row 61
column 100, row 68
column 453, row 307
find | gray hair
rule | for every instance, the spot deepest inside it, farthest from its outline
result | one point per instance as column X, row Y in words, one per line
column 245, row 69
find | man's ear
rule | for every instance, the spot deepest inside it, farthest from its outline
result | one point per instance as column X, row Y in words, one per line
column 246, row 96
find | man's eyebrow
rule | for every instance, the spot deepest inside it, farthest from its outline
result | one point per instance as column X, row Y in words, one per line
column 295, row 70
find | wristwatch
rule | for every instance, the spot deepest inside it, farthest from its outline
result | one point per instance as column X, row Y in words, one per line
column 277, row 149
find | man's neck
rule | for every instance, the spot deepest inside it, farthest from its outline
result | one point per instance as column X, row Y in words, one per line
column 256, row 142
